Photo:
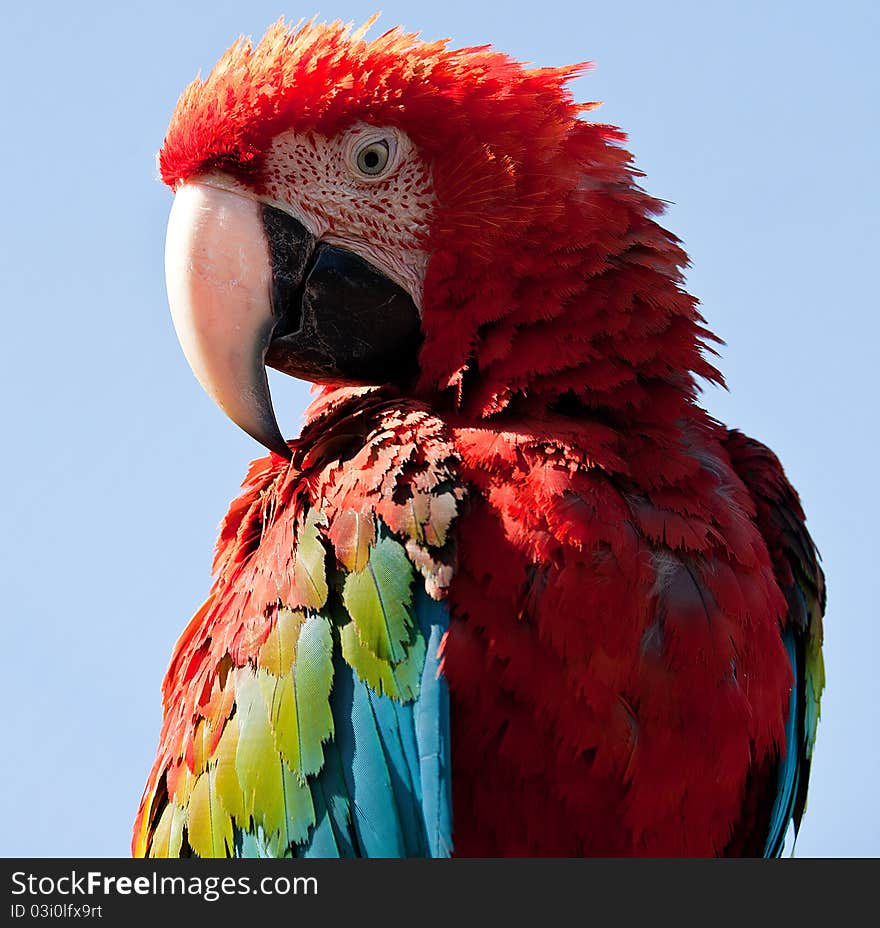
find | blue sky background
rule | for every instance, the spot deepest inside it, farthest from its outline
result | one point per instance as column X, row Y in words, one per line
column 758, row 122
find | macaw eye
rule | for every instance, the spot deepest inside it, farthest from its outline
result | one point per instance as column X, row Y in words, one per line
column 373, row 158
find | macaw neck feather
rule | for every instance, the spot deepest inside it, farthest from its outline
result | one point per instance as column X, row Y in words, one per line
column 577, row 299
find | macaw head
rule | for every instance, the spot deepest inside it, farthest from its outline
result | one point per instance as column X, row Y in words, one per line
column 398, row 212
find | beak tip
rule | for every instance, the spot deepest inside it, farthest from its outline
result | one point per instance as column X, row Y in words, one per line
column 286, row 455
column 269, row 436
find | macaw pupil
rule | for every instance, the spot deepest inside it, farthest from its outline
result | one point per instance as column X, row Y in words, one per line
column 373, row 159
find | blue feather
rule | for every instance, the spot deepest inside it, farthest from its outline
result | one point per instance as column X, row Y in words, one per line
column 251, row 844
column 375, row 815
column 432, row 729
column 396, row 730
column 789, row 768
column 385, row 788
column 333, row 834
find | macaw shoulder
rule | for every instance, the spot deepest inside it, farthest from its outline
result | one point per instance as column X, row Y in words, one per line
column 648, row 556
column 584, row 485
column 616, row 590
column 364, row 469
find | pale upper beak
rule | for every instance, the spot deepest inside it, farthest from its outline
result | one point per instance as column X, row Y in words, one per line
column 218, row 272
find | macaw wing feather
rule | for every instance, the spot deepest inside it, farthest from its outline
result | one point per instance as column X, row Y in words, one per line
column 391, row 760
column 335, row 733
column 799, row 575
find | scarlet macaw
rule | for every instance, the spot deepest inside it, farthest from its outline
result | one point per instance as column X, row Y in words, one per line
column 510, row 567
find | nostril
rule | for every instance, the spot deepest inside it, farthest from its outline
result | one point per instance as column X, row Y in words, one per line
column 291, row 246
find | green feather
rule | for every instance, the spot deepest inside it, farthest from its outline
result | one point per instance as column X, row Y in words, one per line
column 274, row 796
column 313, row 679
column 398, row 681
column 378, row 600
column 815, row 679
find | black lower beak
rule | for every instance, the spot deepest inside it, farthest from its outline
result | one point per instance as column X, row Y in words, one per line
column 338, row 318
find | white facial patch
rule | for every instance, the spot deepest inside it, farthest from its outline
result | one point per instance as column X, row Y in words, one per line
column 367, row 190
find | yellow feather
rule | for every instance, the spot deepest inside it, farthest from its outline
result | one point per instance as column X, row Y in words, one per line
column 257, row 759
column 226, row 780
column 160, row 845
column 279, row 650
column 209, row 828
